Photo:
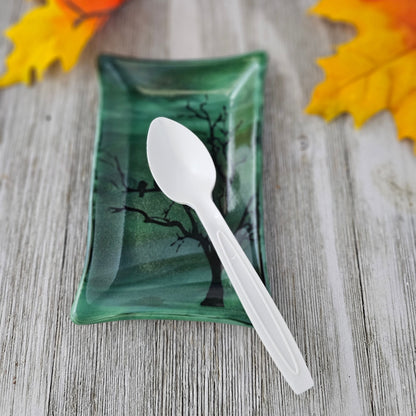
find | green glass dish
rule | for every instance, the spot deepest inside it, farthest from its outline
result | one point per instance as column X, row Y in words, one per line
column 147, row 257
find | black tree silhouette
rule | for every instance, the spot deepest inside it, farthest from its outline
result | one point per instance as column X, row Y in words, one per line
column 216, row 140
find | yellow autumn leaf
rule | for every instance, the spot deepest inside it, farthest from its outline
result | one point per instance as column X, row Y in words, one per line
column 377, row 69
column 56, row 30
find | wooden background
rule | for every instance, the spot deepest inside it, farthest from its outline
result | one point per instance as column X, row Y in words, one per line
column 340, row 213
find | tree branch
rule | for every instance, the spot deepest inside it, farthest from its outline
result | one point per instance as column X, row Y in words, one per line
column 194, row 234
column 165, row 222
column 141, row 187
column 167, row 210
column 194, row 224
column 242, row 224
column 120, row 172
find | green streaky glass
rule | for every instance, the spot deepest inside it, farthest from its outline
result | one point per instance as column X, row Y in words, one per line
column 147, row 257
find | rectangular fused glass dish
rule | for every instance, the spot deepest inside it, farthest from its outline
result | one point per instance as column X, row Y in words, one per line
column 147, row 257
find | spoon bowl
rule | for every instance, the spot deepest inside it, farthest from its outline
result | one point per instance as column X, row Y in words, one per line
column 183, row 168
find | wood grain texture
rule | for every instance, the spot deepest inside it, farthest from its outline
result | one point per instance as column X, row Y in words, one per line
column 340, row 213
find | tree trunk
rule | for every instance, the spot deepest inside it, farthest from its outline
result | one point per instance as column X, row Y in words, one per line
column 215, row 295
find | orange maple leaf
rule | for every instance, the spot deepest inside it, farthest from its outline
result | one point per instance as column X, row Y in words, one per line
column 56, row 30
column 377, row 69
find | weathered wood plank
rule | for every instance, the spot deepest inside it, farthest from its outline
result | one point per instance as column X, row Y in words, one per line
column 340, row 212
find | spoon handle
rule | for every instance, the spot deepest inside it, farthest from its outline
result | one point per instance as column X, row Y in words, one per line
column 256, row 300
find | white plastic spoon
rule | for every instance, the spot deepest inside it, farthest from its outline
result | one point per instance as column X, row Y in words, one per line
column 185, row 172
